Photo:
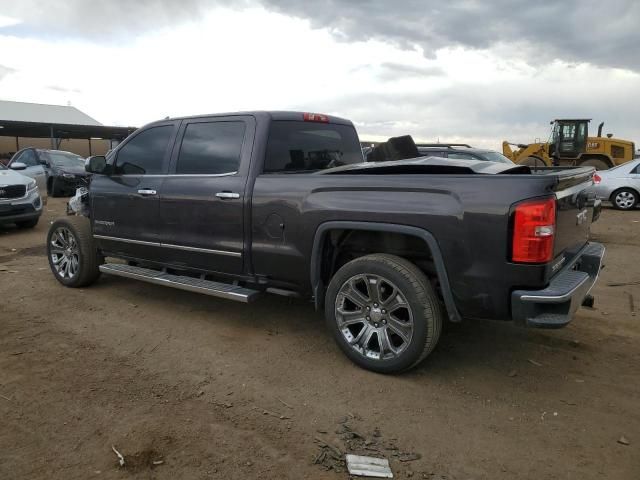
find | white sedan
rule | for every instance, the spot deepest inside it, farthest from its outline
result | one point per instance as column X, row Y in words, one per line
column 619, row 185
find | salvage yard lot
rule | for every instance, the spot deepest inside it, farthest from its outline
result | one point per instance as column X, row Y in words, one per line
column 208, row 388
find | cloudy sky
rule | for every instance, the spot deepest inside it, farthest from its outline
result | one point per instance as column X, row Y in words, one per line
column 469, row 70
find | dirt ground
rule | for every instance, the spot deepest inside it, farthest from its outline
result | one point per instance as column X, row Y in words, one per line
column 193, row 387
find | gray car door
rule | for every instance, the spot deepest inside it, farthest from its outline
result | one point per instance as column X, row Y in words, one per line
column 125, row 203
column 202, row 200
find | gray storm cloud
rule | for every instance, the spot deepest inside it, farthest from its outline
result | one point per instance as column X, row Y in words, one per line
column 603, row 33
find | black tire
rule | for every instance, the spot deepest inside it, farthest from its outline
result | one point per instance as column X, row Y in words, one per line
column 624, row 199
column 426, row 313
column 86, row 257
column 532, row 162
column 597, row 163
column 28, row 223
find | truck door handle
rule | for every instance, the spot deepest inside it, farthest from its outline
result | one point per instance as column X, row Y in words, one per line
column 147, row 191
column 227, row 195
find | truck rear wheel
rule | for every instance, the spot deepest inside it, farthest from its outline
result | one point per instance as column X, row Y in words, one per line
column 72, row 255
column 383, row 313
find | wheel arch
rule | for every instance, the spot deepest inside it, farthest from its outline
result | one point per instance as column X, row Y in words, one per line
column 635, row 190
column 318, row 255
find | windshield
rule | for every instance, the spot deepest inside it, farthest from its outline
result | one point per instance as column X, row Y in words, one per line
column 63, row 159
column 494, row 157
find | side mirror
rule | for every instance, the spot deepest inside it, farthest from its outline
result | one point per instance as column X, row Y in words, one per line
column 96, row 164
column 18, row 166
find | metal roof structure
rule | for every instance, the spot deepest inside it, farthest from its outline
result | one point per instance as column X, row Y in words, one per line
column 40, row 113
column 34, row 120
column 61, row 130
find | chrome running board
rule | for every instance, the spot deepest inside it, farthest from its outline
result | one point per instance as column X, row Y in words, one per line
column 190, row 284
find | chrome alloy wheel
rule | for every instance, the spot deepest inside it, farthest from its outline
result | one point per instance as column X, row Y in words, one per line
column 374, row 316
column 64, row 253
column 625, row 199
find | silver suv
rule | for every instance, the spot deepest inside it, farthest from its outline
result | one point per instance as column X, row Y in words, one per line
column 20, row 201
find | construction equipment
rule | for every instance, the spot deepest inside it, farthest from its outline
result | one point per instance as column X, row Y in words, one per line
column 570, row 144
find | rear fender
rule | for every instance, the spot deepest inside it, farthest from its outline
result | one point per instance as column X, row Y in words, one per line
column 318, row 242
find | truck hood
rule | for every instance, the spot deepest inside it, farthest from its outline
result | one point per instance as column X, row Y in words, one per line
column 11, row 177
column 429, row 165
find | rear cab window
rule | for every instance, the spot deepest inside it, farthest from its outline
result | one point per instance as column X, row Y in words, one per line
column 306, row 147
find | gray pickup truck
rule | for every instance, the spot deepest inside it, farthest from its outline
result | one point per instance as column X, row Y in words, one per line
column 238, row 204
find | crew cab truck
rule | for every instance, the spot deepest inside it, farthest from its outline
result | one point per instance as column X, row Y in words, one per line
column 238, row 204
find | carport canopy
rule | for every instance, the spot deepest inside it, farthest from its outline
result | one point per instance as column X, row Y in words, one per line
column 11, row 128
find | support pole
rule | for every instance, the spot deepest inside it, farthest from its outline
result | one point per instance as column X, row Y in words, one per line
column 53, row 145
column 17, row 144
column 90, row 153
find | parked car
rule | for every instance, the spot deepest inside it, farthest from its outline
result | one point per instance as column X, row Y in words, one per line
column 281, row 202
column 64, row 170
column 20, row 202
column 620, row 185
column 37, row 173
column 461, row 151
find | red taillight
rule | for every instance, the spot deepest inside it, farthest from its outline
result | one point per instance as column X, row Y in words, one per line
column 534, row 228
column 596, row 178
column 315, row 117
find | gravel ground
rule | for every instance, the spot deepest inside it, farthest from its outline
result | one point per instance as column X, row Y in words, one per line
column 188, row 386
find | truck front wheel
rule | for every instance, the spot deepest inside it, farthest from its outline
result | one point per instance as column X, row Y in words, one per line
column 383, row 313
column 73, row 257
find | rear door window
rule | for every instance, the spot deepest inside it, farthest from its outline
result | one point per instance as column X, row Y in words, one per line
column 295, row 147
column 211, row 148
column 145, row 153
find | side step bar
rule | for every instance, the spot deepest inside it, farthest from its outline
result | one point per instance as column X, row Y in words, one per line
column 207, row 287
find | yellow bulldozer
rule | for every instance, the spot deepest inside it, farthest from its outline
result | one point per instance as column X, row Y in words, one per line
column 570, row 144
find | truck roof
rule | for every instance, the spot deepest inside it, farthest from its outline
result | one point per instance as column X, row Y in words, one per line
column 269, row 114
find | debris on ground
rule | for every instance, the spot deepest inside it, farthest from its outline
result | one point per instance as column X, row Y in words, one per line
column 513, row 373
column 357, row 443
column 368, row 466
column 120, row 456
column 623, row 440
column 273, row 414
column 632, row 306
column 285, row 403
column 330, row 457
column 409, row 457
column 533, row 362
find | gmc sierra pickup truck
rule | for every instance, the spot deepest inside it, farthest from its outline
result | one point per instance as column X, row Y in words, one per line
column 237, row 204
